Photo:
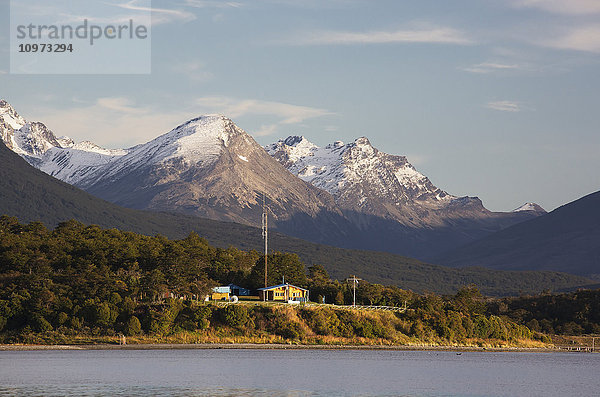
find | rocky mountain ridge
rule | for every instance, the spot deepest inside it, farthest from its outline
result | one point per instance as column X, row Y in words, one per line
column 363, row 179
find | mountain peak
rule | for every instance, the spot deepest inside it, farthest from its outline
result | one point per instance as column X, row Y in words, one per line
column 293, row 140
column 533, row 207
column 199, row 140
column 362, row 141
column 204, row 121
column 291, row 149
column 207, row 132
column 4, row 104
column 9, row 116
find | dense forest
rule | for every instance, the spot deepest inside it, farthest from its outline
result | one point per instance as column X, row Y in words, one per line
column 85, row 281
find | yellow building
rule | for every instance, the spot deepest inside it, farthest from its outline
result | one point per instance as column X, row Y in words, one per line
column 220, row 294
column 283, row 292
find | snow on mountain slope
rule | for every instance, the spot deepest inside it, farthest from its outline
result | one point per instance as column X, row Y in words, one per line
column 533, row 207
column 361, row 178
column 59, row 157
column 30, row 140
column 339, row 167
column 198, row 141
column 81, row 160
column 10, row 116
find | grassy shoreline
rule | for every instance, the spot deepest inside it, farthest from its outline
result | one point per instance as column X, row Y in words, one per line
column 273, row 346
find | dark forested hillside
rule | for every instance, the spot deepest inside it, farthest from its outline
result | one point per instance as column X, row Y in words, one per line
column 566, row 239
column 574, row 313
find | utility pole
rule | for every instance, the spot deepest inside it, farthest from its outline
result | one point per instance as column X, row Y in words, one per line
column 354, row 281
column 265, row 233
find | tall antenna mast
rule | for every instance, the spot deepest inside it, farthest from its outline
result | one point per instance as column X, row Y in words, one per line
column 354, row 282
column 265, row 233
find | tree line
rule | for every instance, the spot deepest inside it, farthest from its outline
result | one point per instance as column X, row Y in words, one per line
column 78, row 279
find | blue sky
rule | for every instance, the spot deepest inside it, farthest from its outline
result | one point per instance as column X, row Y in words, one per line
column 497, row 99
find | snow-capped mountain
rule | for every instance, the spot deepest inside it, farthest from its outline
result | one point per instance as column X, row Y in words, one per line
column 365, row 180
column 530, row 207
column 349, row 195
column 59, row 157
column 24, row 138
column 341, row 169
column 199, row 143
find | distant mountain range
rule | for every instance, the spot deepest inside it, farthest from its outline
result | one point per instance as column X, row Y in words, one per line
column 348, row 195
column 32, row 195
column 566, row 239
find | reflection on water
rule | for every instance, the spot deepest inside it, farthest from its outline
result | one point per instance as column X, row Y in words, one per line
column 295, row 373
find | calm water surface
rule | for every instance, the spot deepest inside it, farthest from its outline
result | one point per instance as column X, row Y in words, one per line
column 296, row 373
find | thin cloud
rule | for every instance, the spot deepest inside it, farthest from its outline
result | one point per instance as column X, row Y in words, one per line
column 194, row 70
column 120, row 122
column 120, row 104
column 289, row 114
column 113, row 122
column 283, row 113
column 504, row 106
column 212, row 4
column 266, row 130
column 563, row 7
column 147, row 15
column 437, row 35
column 584, row 38
column 317, row 4
column 491, row 67
column 159, row 15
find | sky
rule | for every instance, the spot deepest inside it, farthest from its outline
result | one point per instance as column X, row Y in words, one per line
column 491, row 98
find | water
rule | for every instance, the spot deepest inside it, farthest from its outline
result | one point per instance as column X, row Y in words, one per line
column 296, row 373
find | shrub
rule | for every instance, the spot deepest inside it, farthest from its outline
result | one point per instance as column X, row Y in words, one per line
column 235, row 315
column 75, row 323
column 289, row 330
column 133, row 327
column 128, row 306
column 40, row 324
column 417, row 330
column 62, row 318
column 322, row 322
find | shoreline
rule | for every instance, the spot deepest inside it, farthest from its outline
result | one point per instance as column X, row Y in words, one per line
column 252, row 346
